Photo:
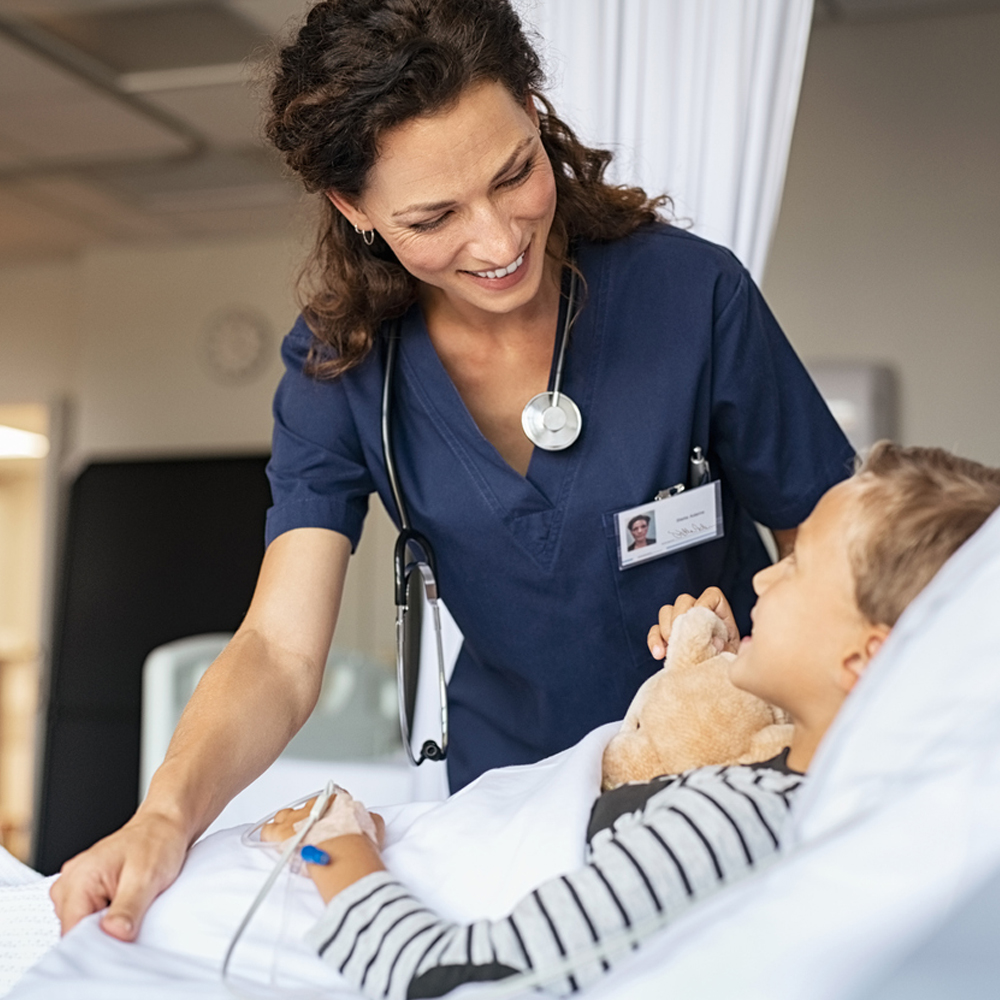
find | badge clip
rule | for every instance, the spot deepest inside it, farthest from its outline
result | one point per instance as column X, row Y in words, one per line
column 670, row 491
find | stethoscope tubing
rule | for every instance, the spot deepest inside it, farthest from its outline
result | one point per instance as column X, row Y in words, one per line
column 564, row 337
column 541, row 406
column 388, row 385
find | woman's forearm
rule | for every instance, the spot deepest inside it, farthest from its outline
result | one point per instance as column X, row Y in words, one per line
column 246, row 708
column 263, row 686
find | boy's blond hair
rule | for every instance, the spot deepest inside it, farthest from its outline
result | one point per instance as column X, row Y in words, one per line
column 919, row 506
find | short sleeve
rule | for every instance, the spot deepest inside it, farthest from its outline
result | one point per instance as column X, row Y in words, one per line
column 779, row 445
column 318, row 474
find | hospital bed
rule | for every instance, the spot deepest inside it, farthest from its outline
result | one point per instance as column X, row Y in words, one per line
column 895, row 841
column 353, row 731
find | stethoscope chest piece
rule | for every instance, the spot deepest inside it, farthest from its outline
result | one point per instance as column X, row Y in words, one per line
column 551, row 421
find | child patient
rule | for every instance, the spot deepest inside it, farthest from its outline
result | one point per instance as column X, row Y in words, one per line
column 871, row 544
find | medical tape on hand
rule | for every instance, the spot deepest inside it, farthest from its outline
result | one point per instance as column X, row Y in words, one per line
column 345, row 815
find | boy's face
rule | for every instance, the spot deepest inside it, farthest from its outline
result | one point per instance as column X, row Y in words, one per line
column 809, row 641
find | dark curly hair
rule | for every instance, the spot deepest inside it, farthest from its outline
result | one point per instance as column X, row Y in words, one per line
column 361, row 67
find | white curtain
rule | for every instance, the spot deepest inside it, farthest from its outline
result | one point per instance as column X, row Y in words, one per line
column 697, row 98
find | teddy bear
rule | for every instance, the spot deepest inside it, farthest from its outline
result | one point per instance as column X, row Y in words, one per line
column 689, row 714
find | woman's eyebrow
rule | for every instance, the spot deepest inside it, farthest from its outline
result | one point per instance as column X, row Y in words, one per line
column 437, row 206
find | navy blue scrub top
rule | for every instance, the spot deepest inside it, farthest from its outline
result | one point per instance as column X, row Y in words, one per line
column 674, row 347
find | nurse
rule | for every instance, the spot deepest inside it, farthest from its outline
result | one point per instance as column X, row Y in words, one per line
column 455, row 200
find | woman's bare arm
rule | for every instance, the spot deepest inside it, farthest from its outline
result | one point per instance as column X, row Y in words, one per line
column 246, row 708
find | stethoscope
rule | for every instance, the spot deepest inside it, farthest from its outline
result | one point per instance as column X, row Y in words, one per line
column 552, row 422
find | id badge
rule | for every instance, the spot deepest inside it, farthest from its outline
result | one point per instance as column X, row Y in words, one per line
column 661, row 527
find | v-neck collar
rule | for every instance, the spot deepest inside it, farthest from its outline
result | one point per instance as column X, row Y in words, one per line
column 532, row 505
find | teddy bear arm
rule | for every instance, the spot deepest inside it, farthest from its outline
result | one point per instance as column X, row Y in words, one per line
column 629, row 757
column 768, row 743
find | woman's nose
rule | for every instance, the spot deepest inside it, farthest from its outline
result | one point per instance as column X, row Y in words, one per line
column 495, row 237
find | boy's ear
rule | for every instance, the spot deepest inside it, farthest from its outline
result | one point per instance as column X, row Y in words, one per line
column 354, row 215
column 856, row 664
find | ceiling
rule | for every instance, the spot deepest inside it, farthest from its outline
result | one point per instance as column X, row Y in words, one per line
column 131, row 120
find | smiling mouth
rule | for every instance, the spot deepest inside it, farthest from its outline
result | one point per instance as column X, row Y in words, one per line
column 503, row 271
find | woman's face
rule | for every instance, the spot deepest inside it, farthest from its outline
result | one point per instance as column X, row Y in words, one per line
column 465, row 199
column 640, row 529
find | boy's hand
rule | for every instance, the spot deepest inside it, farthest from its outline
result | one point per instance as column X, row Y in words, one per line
column 352, row 856
column 282, row 827
column 713, row 599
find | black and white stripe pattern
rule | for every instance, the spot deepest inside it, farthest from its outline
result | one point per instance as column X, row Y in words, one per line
column 696, row 833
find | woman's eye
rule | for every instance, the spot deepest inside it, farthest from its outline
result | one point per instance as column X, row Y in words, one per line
column 521, row 175
column 426, row 227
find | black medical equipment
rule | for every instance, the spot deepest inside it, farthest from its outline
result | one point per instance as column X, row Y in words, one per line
column 151, row 550
column 415, row 579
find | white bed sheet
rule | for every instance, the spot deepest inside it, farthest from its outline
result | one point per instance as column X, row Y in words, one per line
column 899, row 822
column 475, row 854
column 28, row 925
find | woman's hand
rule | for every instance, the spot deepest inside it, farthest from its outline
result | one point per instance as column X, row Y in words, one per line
column 713, row 599
column 125, row 872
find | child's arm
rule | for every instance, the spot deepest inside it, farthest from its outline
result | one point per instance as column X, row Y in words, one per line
column 695, row 834
column 352, row 856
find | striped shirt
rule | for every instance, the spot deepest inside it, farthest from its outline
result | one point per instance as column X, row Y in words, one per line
column 654, row 849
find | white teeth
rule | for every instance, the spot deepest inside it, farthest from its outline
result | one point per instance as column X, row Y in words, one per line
column 503, row 272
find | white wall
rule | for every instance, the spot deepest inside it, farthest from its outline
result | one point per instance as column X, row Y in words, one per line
column 142, row 385
column 117, row 332
column 39, row 309
column 888, row 245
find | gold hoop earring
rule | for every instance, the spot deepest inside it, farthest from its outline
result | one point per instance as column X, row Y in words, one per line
column 368, row 235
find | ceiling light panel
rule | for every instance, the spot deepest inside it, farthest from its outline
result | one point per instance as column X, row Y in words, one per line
column 47, row 113
column 165, row 36
column 91, row 127
column 229, row 114
column 24, row 75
